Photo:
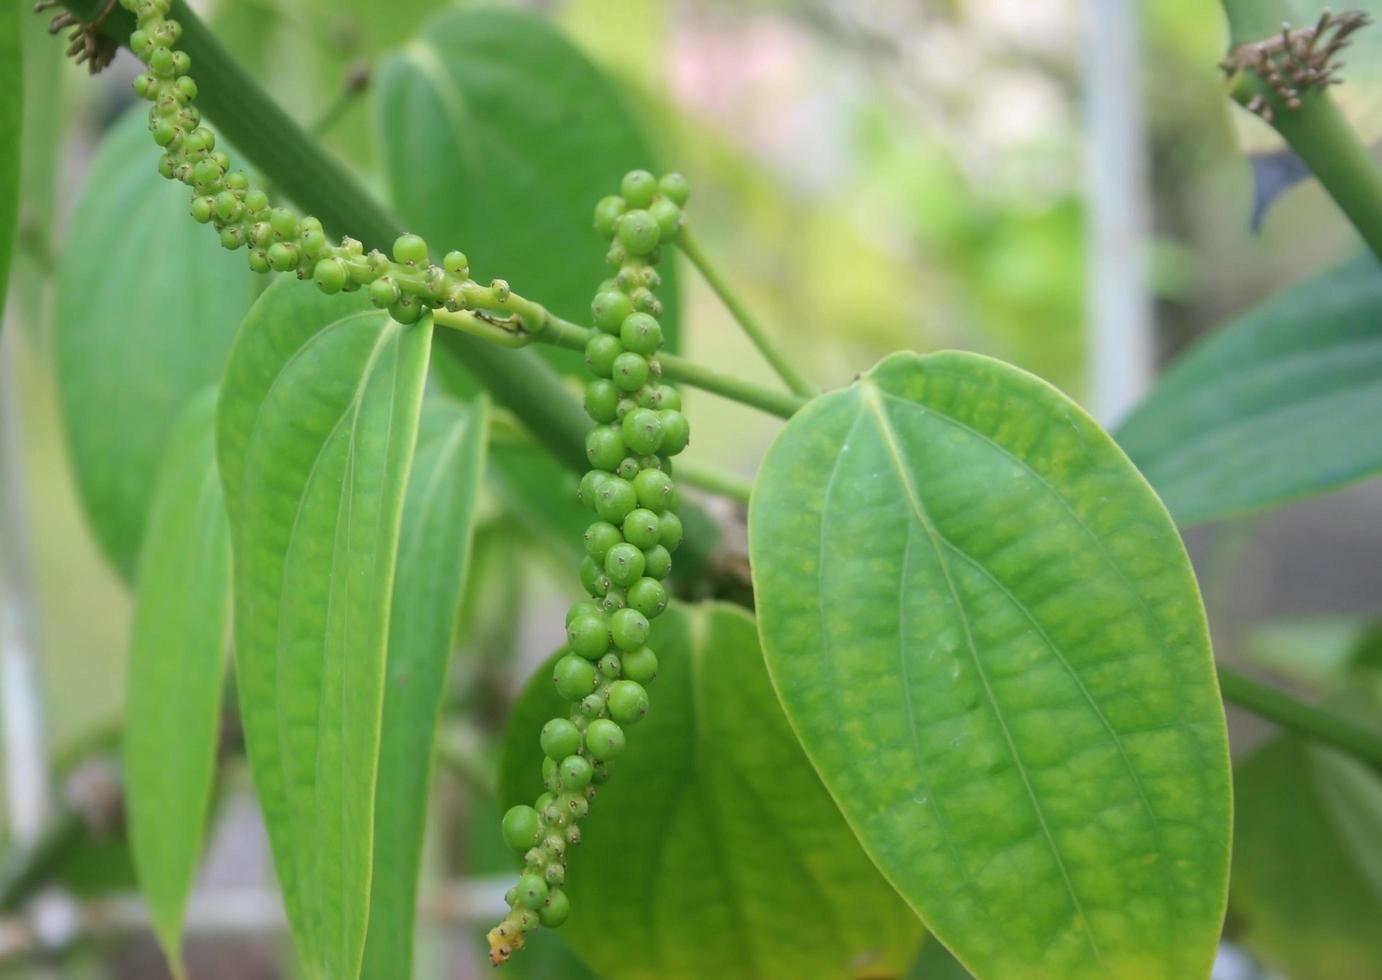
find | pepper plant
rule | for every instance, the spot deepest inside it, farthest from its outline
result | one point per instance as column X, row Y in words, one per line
column 967, row 690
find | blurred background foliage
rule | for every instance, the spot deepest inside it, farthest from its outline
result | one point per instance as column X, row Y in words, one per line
column 873, row 175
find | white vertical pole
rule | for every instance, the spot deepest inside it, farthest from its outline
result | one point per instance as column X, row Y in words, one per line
column 1121, row 355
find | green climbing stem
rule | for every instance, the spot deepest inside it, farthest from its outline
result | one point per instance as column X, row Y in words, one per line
column 1301, row 718
column 773, row 354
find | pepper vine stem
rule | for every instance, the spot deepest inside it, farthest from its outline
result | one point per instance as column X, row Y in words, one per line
column 1301, row 718
column 746, row 320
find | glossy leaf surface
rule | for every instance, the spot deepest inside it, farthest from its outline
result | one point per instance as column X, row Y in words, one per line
column 433, row 550
column 1307, row 880
column 176, row 671
column 714, row 850
column 315, row 436
column 499, row 137
column 148, row 303
column 987, row 635
column 1283, row 402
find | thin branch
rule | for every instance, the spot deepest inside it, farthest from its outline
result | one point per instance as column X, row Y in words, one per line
column 1301, row 718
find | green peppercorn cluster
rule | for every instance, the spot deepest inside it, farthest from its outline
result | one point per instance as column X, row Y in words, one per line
column 277, row 238
column 607, row 664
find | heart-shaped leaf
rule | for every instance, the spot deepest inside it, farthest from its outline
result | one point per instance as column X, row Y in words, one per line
column 714, row 850
column 499, row 137
column 176, row 671
column 433, row 550
column 987, row 635
column 1283, row 402
column 315, row 436
column 148, row 304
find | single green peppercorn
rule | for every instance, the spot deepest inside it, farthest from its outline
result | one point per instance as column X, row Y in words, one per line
column 330, row 275
column 202, row 210
column 668, row 398
column 560, row 738
column 604, row 739
column 629, row 370
column 624, row 564
column 607, row 214
column 628, row 702
column 283, row 257
column 640, row 665
column 629, row 629
column 610, row 666
column 638, row 188
column 456, row 263
column 655, row 491
column 614, row 499
column 676, row 431
column 383, row 292
column 670, row 531
column 601, row 353
column 668, row 218
column 600, row 537
column 409, row 249
column 609, row 310
column 640, row 333
column 283, row 222
column 590, row 485
column 582, row 608
column 521, row 827
column 406, row 310
column 642, row 431
column 593, row 577
column 676, row 188
column 574, row 677
column 628, row 468
column 588, row 636
column 642, row 528
column 555, row 910
column 647, row 595
column 657, row 562
column 604, row 447
column 638, row 233
column 532, row 891
column 602, row 400
column 575, row 773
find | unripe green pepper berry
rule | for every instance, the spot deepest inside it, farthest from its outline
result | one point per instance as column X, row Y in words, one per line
column 283, row 256
column 655, row 491
column 600, row 537
column 629, row 629
column 614, row 499
column 574, row 677
column 649, row 396
column 456, row 264
column 601, row 353
column 640, row 333
column 610, row 666
column 642, row 431
column 554, row 874
column 602, row 400
column 576, row 806
column 628, row 702
column 579, row 609
column 604, row 739
column 330, row 275
column 628, row 468
column 629, row 370
column 284, row 223
column 657, row 562
column 226, row 205
column 613, row 600
column 642, row 528
column 206, row 172
column 590, row 486
column 575, row 773
column 668, row 218
column 604, row 447
column 593, row 577
column 607, row 214
column 312, row 241
column 259, row 260
column 532, row 891
column 560, row 738
column 670, row 531
column 407, row 310
column 625, row 406
column 588, row 636
column 555, row 910
column 638, row 233
column 638, row 188
column 676, row 431
column 675, row 188
column 202, row 210
column 609, row 310
column 383, row 292
column 592, row 705
column 647, row 595
column 624, row 564
column 549, row 777
column 521, row 828
column 409, row 249
column 640, row 665
column 669, row 399
column 543, row 801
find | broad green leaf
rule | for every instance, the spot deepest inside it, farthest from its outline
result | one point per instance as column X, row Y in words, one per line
column 1280, row 403
column 499, row 137
column 176, row 670
column 714, row 850
column 315, row 436
column 11, row 128
column 987, row 635
column 148, row 303
column 433, row 549
column 1307, row 874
